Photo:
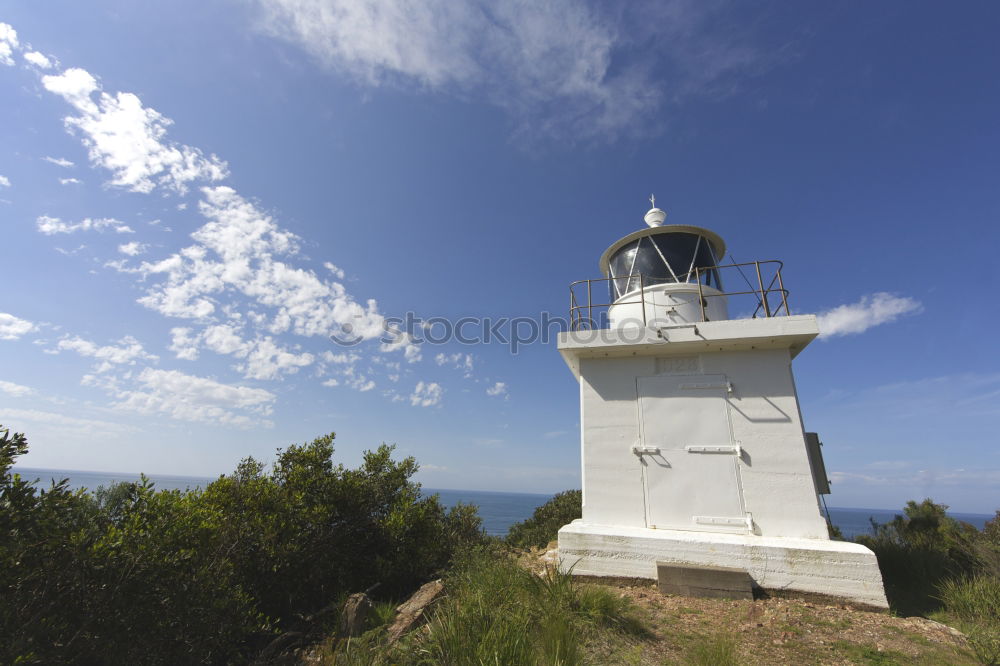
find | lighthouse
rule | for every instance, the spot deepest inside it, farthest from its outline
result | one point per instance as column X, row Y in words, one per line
column 693, row 448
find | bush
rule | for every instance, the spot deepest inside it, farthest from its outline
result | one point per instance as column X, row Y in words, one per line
column 544, row 524
column 135, row 575
column 920, row 550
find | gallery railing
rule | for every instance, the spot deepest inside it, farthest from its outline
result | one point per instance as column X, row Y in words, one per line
column 771, row 300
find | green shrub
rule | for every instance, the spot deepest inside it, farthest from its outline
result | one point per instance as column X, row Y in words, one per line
column 544, row 524
column 975, row 603
column 135, row 575
column 918, row 551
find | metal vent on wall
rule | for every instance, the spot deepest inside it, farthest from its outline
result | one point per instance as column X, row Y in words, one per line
column 816, row 463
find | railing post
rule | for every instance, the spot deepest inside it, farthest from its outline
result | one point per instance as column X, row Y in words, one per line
column 642, row 296
column 701, row 293
column 784, row 294
column 590, row 306
column 763, row 296
column 572, row 308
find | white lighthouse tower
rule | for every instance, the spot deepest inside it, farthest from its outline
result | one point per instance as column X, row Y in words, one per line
column 693, row 447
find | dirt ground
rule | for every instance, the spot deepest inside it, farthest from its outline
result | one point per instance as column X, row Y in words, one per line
column 770, row 630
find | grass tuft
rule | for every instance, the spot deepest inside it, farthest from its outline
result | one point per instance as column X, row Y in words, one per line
column 715, row 650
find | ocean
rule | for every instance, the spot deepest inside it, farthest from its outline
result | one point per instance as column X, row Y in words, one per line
column 498, row 510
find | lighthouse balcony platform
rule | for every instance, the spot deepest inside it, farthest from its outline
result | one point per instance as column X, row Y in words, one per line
column 657, row 298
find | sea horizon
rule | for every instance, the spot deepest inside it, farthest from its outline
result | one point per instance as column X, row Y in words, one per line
column 499, row 509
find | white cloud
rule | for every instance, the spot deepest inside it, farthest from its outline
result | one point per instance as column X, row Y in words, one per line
column 16, row 390
column 38, row 60
column 330, row 357
column 4, row 181
column 53, row 225
column 357, row 381
column 267, row 360
column 223, row 339
column 262, row 358
column 362, row 384
column 191, row 398
column 561, row 67
column 331, row 382
column 937, row 478
column 134, row 248
column 498, row 389
column 338, row 273
column 240, row 251
column 872, row 310
column 128, row 139
column 183, row 343
column 126, row 352
column 458, row 361
column 426, row 394
column 61, row 422
column 404, row 341
column 8, row 42
column 59, row 161
column 11, row 327
column 70, row 181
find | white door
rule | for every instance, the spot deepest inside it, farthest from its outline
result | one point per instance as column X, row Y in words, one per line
column 690, row 463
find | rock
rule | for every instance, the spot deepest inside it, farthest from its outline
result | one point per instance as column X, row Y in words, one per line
column 411, row 612
column 354, row 616
column 930, row 625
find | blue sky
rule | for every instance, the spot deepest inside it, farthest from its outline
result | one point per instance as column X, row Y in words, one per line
column 193, row 195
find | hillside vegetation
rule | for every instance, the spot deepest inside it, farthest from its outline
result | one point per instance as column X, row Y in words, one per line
column 255, row 568
column 134, row 575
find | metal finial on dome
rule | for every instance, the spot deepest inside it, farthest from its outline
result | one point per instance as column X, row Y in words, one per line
column 654, row 216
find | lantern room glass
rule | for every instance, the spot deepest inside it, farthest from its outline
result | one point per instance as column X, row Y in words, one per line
column 662, row 259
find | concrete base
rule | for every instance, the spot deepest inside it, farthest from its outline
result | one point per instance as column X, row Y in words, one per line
column 815, row 566
column 700, row 580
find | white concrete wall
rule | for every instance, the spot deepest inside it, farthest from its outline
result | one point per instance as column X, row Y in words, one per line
column 776, row 479
column 834, row 568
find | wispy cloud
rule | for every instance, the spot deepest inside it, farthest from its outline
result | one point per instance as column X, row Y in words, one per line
column 8, row 42
column 38, row 59
column 926, row 479
column 127, row 138
column 4, row 181
column 873, row 310
column 53, row 225
column 12, row 328
column 59, row 161
column 498, row 389
column 189, row 398
column 70, row 181
column 132, row 249
column 457, row 361
column 563, row 68
column 241, row 251
column 126, row 351
column 261, row 357
column 60, row 423
column 426, row 394
column 16, row 390
column 239, row 285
